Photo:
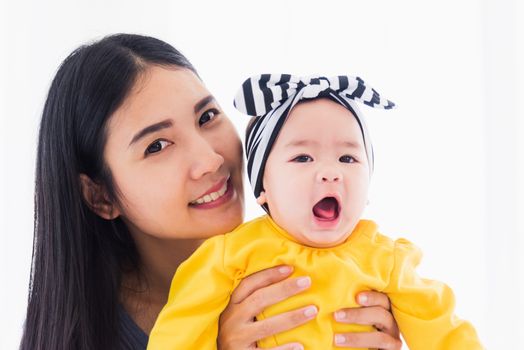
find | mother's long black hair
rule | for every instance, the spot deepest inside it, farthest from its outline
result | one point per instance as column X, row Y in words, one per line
column 78, row 257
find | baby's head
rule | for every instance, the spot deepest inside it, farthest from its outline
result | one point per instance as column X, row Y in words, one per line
column 310, row 157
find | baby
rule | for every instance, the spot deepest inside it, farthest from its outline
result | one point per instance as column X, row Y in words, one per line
column 310, row 161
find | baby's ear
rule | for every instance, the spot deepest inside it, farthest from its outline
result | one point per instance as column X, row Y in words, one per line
column 261, row 200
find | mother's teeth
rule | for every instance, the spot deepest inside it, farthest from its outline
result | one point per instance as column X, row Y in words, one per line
column 211, row 196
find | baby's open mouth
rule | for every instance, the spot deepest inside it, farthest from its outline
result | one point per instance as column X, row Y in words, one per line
column 327, row 209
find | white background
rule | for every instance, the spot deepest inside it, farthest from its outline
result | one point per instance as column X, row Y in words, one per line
column 449, row 160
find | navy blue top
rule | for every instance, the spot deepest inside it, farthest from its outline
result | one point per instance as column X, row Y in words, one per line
column 131, row 336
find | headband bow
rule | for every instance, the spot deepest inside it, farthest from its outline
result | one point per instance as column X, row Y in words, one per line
column 270, row 98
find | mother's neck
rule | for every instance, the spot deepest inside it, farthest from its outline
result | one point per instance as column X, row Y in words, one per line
column 143, row 293
column 159, row 260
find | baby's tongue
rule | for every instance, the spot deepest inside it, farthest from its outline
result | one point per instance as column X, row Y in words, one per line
column 326, row 208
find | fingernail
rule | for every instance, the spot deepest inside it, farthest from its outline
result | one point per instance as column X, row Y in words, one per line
column 363, row 299
column 310, row 311
column 298, row 347
column 340, row 315
column 340, row 339
column 303, row 282
column 284, row 270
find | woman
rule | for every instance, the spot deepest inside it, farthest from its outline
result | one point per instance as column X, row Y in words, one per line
column 137, row 165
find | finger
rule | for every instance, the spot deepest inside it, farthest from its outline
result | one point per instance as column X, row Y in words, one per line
column 281, row 322
column 259, row 280
column 375, row 340
column 375, row 316
column 270, row 295
column 372, row 298
column 290, row 346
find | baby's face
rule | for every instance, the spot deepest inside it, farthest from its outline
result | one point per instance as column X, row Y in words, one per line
column 317, row 174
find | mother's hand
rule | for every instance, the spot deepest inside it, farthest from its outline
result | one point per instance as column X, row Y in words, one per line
column 238, row 328
column 375, row 311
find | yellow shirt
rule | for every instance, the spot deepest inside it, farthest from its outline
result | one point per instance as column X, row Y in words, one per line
column 367, row 260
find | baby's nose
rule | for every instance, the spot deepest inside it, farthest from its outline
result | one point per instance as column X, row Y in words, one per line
column 329, row 176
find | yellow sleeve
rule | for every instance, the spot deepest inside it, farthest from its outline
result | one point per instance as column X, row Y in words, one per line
column 424, row 309
column 200, row 291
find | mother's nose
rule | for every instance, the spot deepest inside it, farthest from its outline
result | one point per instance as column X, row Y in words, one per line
column 204, row 159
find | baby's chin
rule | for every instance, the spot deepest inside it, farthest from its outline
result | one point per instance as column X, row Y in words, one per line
column 322, row 238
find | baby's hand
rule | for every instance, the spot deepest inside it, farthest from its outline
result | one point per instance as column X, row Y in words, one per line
column 375, row 311
column 239, row 330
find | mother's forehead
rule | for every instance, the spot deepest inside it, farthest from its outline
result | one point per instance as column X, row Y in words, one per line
column 161, row 93
column 171, row 86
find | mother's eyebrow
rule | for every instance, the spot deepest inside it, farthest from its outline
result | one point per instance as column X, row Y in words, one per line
column 151, row 129
column 203, row 102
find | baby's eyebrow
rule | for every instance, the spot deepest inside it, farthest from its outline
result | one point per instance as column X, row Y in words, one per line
column 298, row 143
column 350, row 144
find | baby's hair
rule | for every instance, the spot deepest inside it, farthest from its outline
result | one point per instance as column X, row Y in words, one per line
column 250, row 126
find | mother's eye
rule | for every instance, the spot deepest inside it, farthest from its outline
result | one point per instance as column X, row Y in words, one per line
column 157, row 146
column 208, row 116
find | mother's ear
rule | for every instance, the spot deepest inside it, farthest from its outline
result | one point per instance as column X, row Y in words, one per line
column 97, row 199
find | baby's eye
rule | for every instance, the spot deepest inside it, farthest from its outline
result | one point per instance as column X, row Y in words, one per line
column 303, row 158
column 208, row 116
column 157, row 146
column 347, row 159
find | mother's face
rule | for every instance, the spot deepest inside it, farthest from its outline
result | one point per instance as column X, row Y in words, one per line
column 175, row 158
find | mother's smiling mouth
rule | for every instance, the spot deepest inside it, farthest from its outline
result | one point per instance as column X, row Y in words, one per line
column 213, row 193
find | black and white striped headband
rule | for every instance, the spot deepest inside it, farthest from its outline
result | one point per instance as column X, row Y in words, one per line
column 270, row 98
